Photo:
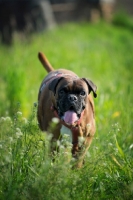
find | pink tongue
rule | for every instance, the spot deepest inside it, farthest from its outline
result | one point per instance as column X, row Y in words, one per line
column 70, row 117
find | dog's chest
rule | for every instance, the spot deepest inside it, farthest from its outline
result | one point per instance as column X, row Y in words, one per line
column 66, row 131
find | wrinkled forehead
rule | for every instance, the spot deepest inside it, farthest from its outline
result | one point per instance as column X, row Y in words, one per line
column 72, row 84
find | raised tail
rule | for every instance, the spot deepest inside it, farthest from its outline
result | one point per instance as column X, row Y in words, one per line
column 45, row 62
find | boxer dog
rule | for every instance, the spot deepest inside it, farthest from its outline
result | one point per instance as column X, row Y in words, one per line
column 64, row 95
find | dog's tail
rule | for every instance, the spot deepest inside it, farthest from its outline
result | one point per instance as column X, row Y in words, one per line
column 45, row 62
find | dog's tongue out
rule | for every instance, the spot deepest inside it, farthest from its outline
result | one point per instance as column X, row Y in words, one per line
column 70, row 117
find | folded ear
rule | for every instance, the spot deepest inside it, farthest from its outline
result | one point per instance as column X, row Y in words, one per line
column 91, row 86
column 53, row 84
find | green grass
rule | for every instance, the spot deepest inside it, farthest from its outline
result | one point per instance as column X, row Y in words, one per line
column 101, row 52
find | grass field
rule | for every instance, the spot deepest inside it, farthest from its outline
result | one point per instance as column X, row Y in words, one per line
column 101, row 52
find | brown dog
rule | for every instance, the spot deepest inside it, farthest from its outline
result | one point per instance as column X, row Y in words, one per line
column 64, row 95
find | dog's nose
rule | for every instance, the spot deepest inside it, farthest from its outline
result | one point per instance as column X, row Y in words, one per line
column 72, row 98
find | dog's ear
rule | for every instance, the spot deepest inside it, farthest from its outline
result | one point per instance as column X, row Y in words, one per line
column 54, row 83
column 92, row 87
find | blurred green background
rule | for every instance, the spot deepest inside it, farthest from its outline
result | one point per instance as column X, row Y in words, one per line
column 101, row 50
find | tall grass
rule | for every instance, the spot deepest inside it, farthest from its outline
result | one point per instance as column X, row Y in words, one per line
column 122, row 19
column 100, row 52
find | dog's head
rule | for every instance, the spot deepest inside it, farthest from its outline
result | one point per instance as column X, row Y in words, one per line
column 71, row 97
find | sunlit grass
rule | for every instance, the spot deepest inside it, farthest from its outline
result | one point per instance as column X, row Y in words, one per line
column 100, row 52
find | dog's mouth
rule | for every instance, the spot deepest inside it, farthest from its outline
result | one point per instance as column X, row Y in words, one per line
column 70, row 117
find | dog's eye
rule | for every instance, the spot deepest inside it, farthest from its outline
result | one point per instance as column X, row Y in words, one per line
column 61, row 92
column 82, row 93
